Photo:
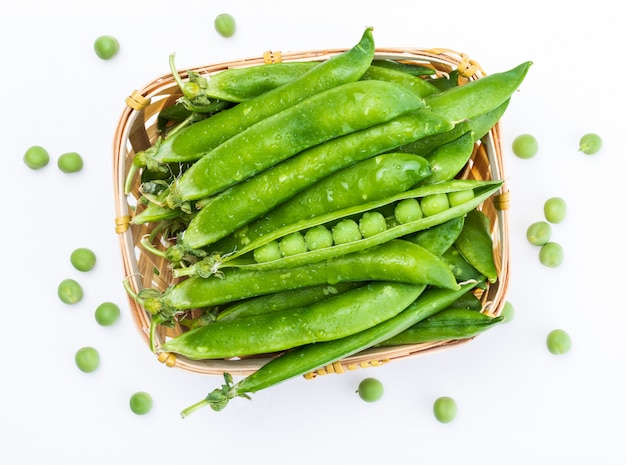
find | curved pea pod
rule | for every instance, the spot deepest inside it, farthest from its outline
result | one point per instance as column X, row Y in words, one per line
column 476, row 245
column 398, row 260
column 336, row 317
column 438, row 239
column 305, row 359
column 468, row 301
column 285, row 300
column 317, row 119
column 449, row 159
column 417, row 85
column 446, row 325
column 375, row 177
column 459, row 266
column 479, row 96
column 481, row 191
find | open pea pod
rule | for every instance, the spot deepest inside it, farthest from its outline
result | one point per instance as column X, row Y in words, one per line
column 476, row 245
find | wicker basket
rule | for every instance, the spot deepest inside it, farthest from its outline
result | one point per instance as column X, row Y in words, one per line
column 136, row 131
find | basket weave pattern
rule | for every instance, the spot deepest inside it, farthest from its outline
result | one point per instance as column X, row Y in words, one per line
column 137, row 130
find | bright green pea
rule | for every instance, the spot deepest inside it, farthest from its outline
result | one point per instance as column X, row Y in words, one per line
column 140, row 403
column 370, row 390
column 551, row 254
column 590, row 144
column 106, row 47
column 292, row 244
column 70, row 162
column 555, row 209
column 434, row 203
column 225, row 25
column 87, row 359
column 107, row 313
column 372, row 223
column 267, row 252
column 36, row 157
column 318, row 237
column 346, row 231
column 445, row 409
column 508, row 312
column 83, row 259
column 408, row 210
column 525, row 146
column 539, row 233
column 558, row 342
column 460, row 197
column 69, row 291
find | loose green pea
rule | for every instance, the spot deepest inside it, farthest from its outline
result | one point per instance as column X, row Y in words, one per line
column 434, row 203
column 36, row 157
column 408, row 210
column 140, row 403
column 551, row 254
column 539, row 233
column 70, row 162
column 106, row 47
column 459, row 197
column 508, row 312
column 525, row 146
column 87, row 359
column 372, row 223
column 555, row 209
column 83, row 259
column 590, row 144
column 267, row 252
column 370, row 389
column 445, row 409
column 346, row 231
column 292, row 244
column 559, row 342
column 107, row 313
column 225, row 25
column 318, row 237
column 70, row 291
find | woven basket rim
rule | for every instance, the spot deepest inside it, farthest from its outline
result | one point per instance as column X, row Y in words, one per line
column 132, row 125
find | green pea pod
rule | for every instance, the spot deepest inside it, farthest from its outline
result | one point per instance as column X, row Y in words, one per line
column 310, row 357
column 476, row 245
column 394, row 232
column 323, row 116
column 439, row 238
column 449, row 159
column 416, row 84
column 333, row 318
column 461, row 269
column 190, row 143
column 468, row 301
column 446, row 325
column 409, row 68
column 397, row 260
column 479, row 96
column 285, row 300
column 370, row 179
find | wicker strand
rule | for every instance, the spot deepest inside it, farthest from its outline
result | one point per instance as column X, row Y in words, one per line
column 122, row 223
column 270, row 57
column 137, row 101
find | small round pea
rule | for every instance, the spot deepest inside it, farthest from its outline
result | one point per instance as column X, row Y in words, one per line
column 539, row 232
column 372, row 223
column 70, row 291
column 555, row 209
column 558, row 342
column 346, row 231
column 445, row 409
column 70, row 162
column 370, row 389
column 225, row 25
column 107, row 313
column 408, row 210
column 267, row 252
column 83, row 259
column 87, row 359
column 434, row 203
column 551, row 254
column 525, row 146
column 36, row 157
column 106, row 47
column 459, row 197
column 292, row 244
column 140, row 403
column 508, row 312
column 590, row 144
column 318, row 237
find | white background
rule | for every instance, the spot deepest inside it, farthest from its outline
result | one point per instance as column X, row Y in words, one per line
column 518, row 404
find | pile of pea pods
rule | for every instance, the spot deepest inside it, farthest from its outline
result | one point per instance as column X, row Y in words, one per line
column 315, row 209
